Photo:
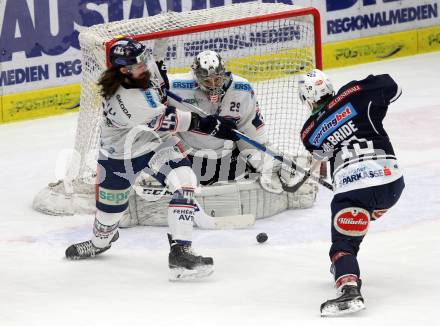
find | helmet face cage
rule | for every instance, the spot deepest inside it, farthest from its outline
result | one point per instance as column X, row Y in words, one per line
column 313, row 86
column 210, row 74
column 126, row 53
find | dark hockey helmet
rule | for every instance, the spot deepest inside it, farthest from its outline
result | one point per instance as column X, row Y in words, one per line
column 126, row 52
column 209, row 71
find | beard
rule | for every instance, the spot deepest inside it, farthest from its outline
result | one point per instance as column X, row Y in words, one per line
column 143, row 81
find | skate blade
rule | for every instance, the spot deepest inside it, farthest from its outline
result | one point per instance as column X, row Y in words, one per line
column 182, row 274
column 333, row 310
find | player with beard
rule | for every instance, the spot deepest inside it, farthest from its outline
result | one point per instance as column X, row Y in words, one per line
column 137, row 134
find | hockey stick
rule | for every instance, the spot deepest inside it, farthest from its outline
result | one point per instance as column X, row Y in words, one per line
column 299, row 184
column 283, row 159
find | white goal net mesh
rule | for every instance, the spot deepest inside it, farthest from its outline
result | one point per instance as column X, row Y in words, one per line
column 269, row 44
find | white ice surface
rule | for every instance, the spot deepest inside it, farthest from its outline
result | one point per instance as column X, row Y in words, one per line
column 281, row 282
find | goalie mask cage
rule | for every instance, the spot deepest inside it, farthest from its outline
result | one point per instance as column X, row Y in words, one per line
column 270, row 44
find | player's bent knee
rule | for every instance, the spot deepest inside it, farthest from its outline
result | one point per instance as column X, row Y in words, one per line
column 352, row 221
column 112, row 200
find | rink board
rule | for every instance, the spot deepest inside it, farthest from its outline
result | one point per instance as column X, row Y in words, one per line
column 58, row 100
column 40, row 103
column 381, row 47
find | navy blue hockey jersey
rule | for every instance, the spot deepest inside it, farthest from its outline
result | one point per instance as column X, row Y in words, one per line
column 348, row 132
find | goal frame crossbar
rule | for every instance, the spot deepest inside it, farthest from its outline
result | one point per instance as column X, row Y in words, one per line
column 233, row 23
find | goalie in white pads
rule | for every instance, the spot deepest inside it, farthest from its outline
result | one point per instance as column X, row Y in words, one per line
column 215, row 91
column 136, row 135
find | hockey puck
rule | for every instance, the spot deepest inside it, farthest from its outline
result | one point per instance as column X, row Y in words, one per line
column 262, row 237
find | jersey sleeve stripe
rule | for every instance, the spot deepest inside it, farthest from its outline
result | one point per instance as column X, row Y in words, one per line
column 398, row 93
column 369, row 118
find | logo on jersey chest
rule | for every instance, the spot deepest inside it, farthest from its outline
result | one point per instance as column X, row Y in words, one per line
column 333, row 122
column 193, row 101
column 122, row 106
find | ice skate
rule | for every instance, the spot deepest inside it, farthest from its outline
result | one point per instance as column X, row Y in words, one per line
column 87, row 249
column 184, row 264
column 350, row 301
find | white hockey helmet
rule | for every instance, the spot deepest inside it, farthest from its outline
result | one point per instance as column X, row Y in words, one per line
column 313, row 86
column 210, row 74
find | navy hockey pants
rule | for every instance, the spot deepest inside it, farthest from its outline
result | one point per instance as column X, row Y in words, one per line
column 115, row 178
column 348, row 231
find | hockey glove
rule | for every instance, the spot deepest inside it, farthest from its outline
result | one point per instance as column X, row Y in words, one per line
column 269, row 169
column 214, row 125
column 270, row 178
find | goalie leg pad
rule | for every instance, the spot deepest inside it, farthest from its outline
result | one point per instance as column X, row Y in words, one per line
column 244, row 197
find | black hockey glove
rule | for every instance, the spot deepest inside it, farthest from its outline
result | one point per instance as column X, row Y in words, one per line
column 214, row 125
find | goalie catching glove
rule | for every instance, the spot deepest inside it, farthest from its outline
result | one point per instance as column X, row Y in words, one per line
column 272, row 173
column 214, row 125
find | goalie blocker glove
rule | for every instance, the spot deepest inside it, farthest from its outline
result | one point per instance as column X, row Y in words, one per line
column 214, row 125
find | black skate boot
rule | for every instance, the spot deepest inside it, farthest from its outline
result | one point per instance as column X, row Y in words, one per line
column 348, row 302
column 184, row 264
column 86, row 249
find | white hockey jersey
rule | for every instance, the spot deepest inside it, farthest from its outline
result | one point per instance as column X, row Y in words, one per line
column 135, row 122
column 239, row 102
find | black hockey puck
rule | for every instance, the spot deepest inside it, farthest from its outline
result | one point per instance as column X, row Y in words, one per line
column 262, row 237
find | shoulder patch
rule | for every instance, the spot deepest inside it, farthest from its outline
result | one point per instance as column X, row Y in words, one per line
column 307, row 130
column 149, row 98
column 242, row 86
column 182, row 84
column 348, row 92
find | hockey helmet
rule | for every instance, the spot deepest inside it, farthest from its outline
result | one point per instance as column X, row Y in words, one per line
column 209, row 72
column 313, row 86
column 126, row 52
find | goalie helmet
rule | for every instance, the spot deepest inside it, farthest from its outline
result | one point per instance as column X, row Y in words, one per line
column 209, row 72
column 313, row 86
column 126, row 52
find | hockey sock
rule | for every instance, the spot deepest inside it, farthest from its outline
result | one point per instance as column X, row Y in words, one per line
column 181, row 215
column 345, row 264
column 104, row 228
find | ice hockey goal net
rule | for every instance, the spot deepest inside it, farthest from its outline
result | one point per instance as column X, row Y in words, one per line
column 269, row 44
